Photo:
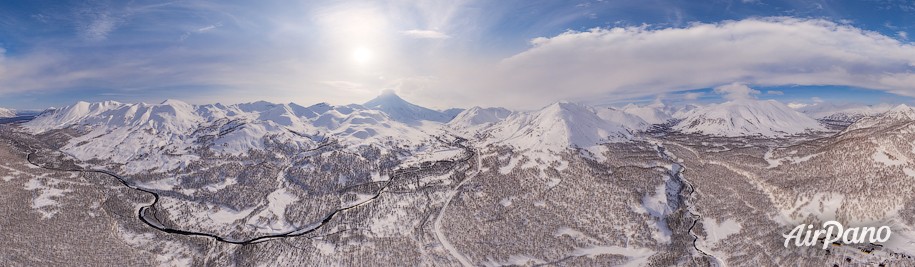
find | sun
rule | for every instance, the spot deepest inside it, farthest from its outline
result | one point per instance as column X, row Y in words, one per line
column 362, row 55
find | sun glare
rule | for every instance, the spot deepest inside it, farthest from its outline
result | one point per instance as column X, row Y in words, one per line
column 362, row 55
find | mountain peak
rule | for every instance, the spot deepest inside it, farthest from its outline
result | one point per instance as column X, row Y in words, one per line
column 401, row 110
column 386, row 98
column 477, row 116
column 652, row 113
column 173, row 102
column 564, row 106
column 747, row 117
column 902, row 112
column 559, row 126
column 901, row 108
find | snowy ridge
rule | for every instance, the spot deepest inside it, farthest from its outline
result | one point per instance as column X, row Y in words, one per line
column 654, row 113
column 747, row 117
column 683, row 111
column 120, row 132
column 7, row 113
column 477, row 117
column 170, row 116
column 162, row 135
column 560, row 126
column 406, row 112
column 628, row 121
column 847, row 113
column 900, row 113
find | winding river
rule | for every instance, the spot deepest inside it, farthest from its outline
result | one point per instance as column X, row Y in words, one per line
column 683, row 198
column 155, row 224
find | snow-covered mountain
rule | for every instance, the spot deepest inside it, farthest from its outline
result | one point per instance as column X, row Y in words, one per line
column 898, row 114
column 246, row 171
column 843, row 113
column 170, row 116
column 7, row 113
column 477, row 117
column 747, row 117
column 401, row 110
column 146, row 136
column 655, row 113
column 627, row 120
column 680, row 112
column 563, row 125
column 122, row 131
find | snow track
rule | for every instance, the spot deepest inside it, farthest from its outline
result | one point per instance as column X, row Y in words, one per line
column 437, row 226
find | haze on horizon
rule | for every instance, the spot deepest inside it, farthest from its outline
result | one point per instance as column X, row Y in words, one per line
column 516, row 54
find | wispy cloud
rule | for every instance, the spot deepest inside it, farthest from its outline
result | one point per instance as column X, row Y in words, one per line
column 95, row 21
column 426, row 34
column 775, row 92
column 204, row 29
column 208, row 28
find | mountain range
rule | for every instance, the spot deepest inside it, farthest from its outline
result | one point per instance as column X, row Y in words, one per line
column 562, row 125
column 341, row 184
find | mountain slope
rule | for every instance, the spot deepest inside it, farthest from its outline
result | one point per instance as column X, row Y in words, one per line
column 864, row 173
column 653, row 114
column 6, row 113
column 843, row 113
column 478, row 117
column 123, row 133
column 401, row 110
column 627, row 120
column 747, row 117
column 898, row 114
column 558, row 127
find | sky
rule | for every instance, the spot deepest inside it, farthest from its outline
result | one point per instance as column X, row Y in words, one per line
column 518, row 54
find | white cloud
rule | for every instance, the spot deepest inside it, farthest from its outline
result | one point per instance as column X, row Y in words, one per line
column 796, row 105
column 816, row 99
column 199, row 31
column 94, row 21
column 736, row 91
column 209, row 28
column 903, row 35
column 692, row 95
column 98, row 28
column 775, row 92
column 639, row 61
column 426, row 34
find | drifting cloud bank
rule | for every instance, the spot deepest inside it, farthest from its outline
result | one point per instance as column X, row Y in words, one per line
column 638, row 61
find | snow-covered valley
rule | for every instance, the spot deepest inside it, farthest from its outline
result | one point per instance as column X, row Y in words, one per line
column 566, row 184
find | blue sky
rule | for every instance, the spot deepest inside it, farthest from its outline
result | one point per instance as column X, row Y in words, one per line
column 518, row 54
column 793, row 94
